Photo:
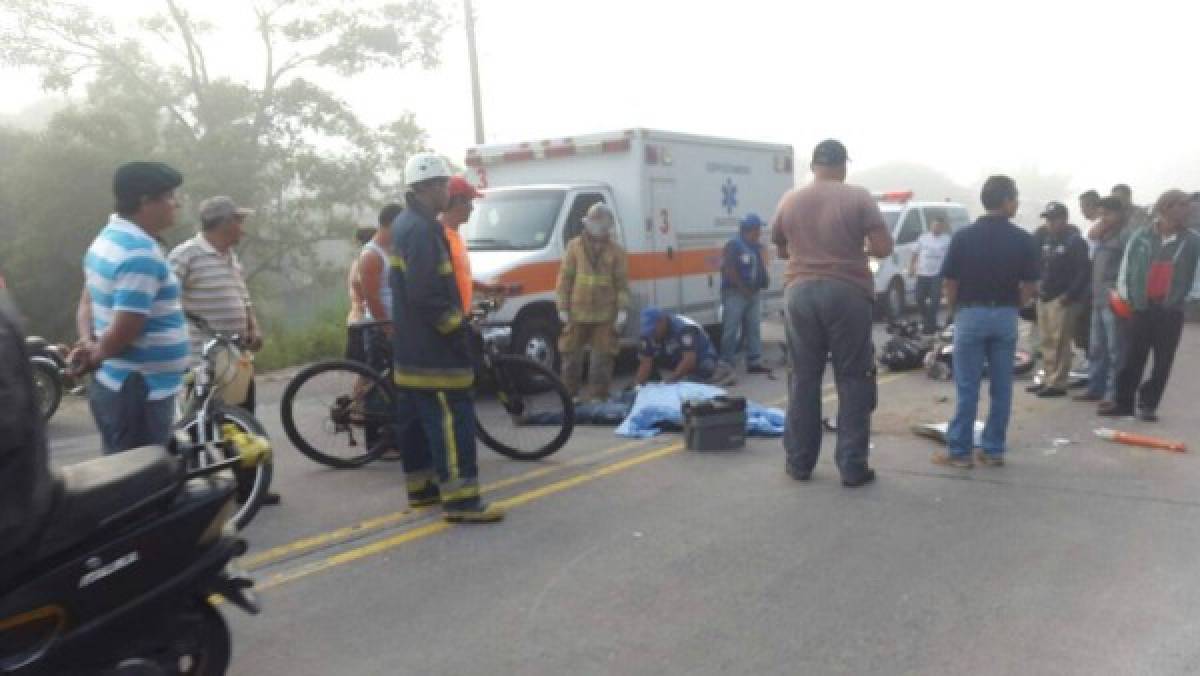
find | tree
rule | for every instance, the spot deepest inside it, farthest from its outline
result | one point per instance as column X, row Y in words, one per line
column 282, row 144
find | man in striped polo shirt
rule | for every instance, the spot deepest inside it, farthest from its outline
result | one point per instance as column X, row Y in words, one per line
column 210, row 277
column 138, row 344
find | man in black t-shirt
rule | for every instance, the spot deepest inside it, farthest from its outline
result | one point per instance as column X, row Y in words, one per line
column 990, row 270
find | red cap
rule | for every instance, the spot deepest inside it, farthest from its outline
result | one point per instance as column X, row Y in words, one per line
column 459, row 187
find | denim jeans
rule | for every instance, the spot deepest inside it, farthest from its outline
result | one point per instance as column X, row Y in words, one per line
column 126, row 419
column 982, row 335
column 929, row 298
column 741, row 323
column 829, row 317
column 1105, row 356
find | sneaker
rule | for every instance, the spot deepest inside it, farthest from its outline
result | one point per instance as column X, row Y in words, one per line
column 866, row 478
column 1035, row 388
column 956, row 461
column 1088, row 397
column 1110, row 409
column 1052, row 393
column 1148, row 415
column 989, row 459
column 758, row 370
column 479, row 513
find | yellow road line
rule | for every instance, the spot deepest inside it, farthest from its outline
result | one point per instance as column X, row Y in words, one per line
column 307, row 544
column 515, row 501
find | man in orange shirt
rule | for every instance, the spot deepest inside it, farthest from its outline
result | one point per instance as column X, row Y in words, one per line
column 458, row 211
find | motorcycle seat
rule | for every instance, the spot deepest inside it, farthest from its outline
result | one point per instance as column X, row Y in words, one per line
column 98, row 493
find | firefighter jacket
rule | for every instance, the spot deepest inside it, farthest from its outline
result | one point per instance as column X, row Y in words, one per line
column 429, row 340
column 593, row 282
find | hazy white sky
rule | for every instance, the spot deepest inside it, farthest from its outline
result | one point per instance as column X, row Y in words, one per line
column 1103, row 91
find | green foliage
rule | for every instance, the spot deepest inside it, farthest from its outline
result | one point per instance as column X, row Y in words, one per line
column 287, row 344
column 282, row 144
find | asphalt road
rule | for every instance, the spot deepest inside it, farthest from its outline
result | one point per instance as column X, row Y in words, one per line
column 623, row 557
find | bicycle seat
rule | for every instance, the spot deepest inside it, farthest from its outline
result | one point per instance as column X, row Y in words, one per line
column 98, row 493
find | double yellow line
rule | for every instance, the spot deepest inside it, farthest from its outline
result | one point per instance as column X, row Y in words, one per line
column 342, row 535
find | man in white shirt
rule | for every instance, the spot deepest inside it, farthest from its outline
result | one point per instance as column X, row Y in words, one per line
column 927, row 265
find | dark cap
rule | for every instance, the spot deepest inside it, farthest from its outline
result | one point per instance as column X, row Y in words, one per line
column 1055, row 210
column 1111, row 203
column 830, row 153
column 135, row 180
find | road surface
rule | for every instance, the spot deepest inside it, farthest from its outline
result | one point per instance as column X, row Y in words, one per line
column 637, row 557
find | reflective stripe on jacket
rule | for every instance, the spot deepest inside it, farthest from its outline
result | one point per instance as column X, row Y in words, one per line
column 593, row 282
column 429, row 343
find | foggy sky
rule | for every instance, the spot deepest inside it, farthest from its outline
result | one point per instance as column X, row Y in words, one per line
column 1102, row 91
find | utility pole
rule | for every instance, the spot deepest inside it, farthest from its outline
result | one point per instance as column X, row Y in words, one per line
column 476, row 98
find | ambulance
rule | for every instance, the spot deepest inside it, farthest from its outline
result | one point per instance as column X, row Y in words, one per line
column 677, row 199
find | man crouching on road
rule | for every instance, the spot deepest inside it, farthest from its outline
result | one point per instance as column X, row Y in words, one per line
column 433, row 369
column 821, row 230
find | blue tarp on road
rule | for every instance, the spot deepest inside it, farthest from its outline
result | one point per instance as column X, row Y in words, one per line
column 659, row 407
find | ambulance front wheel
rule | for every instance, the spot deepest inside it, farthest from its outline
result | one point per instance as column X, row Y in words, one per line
column 537, row 338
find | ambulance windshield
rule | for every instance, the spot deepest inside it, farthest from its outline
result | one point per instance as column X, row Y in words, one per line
column 513, row 220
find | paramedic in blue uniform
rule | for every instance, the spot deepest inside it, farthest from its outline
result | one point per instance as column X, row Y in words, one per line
column 678, row 347
column 743, row 278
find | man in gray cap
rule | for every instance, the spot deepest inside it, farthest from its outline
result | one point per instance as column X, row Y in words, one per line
column 825, row 231
column 210, row 276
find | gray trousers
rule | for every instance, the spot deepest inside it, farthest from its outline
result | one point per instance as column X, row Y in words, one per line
column 827, row 316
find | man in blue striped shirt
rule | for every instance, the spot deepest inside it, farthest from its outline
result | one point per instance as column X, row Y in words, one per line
column 138, row 345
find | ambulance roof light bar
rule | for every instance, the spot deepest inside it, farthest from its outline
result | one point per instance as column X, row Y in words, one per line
column 898, row 196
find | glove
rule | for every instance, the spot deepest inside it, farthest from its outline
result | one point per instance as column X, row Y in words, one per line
column 563, row 316
column 621, row 317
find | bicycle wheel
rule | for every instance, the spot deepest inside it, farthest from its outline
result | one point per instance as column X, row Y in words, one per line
column 252, row 484
column 337, row 412
column 530, row 415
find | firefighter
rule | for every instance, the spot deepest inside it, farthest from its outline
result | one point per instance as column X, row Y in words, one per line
column 433, row 368
column 593, row 294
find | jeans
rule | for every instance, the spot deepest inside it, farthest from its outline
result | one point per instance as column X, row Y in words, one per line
column 741, row 323
column 1106, row 352
column 929, row 298
column 126, row 419
column 982, row 334
column 1154, row 329
column 829, row 316
column 447, row 419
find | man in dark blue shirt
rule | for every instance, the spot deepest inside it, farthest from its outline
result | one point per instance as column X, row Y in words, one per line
column 743, row 278
column 677, row 346
column 990, row 270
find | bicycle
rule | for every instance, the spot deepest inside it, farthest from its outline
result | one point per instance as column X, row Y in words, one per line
column 335, row 411
column 221, row 432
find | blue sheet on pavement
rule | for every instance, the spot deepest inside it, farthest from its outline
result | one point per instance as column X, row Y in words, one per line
column 659, row 407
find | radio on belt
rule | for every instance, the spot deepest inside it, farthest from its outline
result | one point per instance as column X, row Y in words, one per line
column 717, row 424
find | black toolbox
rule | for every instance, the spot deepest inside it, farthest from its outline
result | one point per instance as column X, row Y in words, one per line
column 717, row 424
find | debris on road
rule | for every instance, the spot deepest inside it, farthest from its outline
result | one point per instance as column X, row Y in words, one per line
column 1142, row 440
column 937, row 431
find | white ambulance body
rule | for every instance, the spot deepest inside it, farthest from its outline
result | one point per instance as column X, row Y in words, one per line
column 677, row 200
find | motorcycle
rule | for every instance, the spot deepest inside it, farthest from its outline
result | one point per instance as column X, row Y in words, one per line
column 49, row 362
column 939, row 361
column 115, row 561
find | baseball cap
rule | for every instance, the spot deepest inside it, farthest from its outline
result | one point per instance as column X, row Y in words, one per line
column 830, row 152
column 751, row 220
column 134, row 180
column 1055, row 210
column 460, row 187
column 217, row 209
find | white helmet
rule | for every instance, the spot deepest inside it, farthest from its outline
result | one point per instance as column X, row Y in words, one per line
column 423, row 167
